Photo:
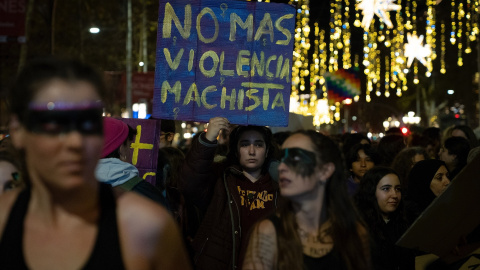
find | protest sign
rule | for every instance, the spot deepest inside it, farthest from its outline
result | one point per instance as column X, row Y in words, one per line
column 12, row 19
column 224, row 58
column 144, row 148
column 448, row 220
column 142, row 86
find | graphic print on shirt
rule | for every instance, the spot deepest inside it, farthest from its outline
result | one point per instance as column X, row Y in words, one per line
column 253, row 199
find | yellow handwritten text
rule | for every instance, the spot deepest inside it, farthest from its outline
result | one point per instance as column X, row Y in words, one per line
column 256, row 93
column 137, row 145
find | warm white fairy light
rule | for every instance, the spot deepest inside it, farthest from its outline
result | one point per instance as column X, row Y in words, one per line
column 415, row 49
column 379, row 8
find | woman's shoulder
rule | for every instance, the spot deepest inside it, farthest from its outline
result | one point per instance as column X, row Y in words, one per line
column 266, row 226
column 148, row 232
column 145, row 212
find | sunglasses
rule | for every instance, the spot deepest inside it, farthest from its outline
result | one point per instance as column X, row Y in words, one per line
column 300, row 160
column 62, row 118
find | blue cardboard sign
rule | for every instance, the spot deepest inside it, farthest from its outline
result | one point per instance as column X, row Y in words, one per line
column 224, row 58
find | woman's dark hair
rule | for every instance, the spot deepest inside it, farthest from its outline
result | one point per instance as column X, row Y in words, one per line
column 169, row 163
column 468, row 131
column 37, row 74
column 460, row 147
column 419, row 195
column 40, row 72
column 351, row 139
column 352, row 154
column 403, row 162
column 281, row 136
column 340, row 211
column 271, row 146
column 367, row 204
column 388, row 147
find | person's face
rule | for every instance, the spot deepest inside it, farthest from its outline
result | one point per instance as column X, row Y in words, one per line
column 166, row 139
column 388, row 194
column 361, row 165
column 440, row 181
column 298, row 153
column 417, row 158
column 6, row 177
column 449, row 159
column 125, row 151
column 252, row 151
column 57, row 157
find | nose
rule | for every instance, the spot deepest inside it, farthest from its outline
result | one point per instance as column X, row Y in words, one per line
column 363, row 163
column 395, row 194
column 282, row 168
column 73, row 139
column 446, row 181
column 251, row 149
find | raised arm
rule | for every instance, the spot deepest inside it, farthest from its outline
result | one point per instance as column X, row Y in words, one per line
column 197, row 176
column 262, row 247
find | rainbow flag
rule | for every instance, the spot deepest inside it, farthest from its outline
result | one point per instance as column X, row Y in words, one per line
column 342, row 84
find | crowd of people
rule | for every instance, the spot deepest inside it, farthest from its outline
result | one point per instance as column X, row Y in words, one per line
column 239, row 198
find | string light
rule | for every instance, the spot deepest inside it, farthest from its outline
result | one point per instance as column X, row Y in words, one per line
column 388, row 47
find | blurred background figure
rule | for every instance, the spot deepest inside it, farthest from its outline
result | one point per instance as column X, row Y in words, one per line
column 10, row 166
column 388, row 147
column 473, row 153
column 432, row 141
column 167, row 133
column 114, row 169
column 404, row 161
column 467, row 133
column 351, row 139
column 9, row 172
column 360, row 159
column 454, row 153
column 426, row 181
column 187, row 215
column 64, row 218
column 379, row 200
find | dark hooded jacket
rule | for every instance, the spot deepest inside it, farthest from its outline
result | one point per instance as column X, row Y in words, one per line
column 228, row 209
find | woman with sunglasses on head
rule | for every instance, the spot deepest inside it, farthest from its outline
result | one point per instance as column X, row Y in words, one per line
column 316, row 226
column 65, row 218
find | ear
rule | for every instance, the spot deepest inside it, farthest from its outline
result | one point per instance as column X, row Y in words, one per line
column 326, row 172
column 17, row 132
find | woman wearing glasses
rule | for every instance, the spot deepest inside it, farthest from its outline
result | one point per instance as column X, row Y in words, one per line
column 316, row 226
column 65, row 218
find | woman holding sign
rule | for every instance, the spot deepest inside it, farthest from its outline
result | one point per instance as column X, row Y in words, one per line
column 65, row 218
column 316, row 225
column 232, row 195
